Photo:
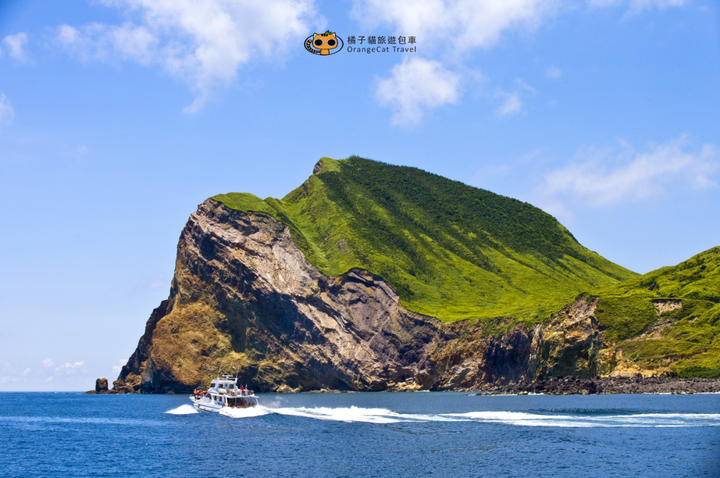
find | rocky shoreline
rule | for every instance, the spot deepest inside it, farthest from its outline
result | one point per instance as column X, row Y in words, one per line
column 609, row 385
column 551, row 386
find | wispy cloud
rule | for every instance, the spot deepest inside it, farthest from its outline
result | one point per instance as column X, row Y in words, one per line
column 606, row 177
column 109, row 43
column 457, row 25
column 511, row 105
column 636, row 6
column 204, row 42
column 449, row 29
column 512, row 102
column 7, row 113
column 117, row 368
column 553, row 72
column 15, row 45
column 35, row 375
column 72, row 368
column 414, row 86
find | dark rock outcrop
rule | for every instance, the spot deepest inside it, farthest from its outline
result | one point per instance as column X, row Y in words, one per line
column 101, row 385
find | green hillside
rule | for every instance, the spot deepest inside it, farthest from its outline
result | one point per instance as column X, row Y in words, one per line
column 450, row 250
column 685, row 339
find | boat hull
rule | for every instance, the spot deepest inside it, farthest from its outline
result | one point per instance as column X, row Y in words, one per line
column 203, row 405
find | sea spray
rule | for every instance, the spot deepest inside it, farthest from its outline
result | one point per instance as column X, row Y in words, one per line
column 343, row 414
column 588, row 421
column 249, row 412
column 182, row 410
column 565, row 419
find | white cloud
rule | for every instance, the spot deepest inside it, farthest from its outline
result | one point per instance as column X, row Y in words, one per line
column 635, row 6
column 603, row 177
column 27, row 371
column 72, row 368
column 7, row 113
column 524, row 86
column 204, row 42
column 459, row 25
column 48, row 363
column 415, row 85
column 118, row 368
column 15, row 44
column 101, row 42
column 553, row 72
column 450, row 28
column 511, row 105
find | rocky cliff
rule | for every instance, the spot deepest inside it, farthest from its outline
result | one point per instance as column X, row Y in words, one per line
column 287, row 294
column 245, row 299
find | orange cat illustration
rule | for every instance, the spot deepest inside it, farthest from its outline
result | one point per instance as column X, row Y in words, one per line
column 322, row 43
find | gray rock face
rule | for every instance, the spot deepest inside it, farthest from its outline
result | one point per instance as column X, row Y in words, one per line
column 244, row 299
column 272, row 315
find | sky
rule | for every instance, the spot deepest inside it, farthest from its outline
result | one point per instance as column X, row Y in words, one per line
column 119, row 117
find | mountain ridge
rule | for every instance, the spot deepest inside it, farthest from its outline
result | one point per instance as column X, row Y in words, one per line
column 495, row 254
column 295, row 295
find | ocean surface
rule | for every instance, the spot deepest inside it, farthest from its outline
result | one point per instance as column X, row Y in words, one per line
column 361, row 434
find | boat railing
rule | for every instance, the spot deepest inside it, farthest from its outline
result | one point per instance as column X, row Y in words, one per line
column 229, row 392
column 237, row 393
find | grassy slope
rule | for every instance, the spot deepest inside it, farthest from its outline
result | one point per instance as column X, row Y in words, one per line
column 451, row 251
column 692, row 340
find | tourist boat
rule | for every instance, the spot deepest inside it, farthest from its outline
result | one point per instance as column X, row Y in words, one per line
column 223, row 393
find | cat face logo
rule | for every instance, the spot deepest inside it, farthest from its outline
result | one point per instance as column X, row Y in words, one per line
column 323, row 43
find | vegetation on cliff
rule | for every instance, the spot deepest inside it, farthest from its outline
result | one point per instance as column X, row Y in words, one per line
column 304, row 301
column 669, row 318
column 450, row 250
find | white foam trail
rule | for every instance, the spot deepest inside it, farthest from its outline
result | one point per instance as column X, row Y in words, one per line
column 386, row 416
column 182, row 410
column 578, row 421
column 256, row 411
column 352, row 414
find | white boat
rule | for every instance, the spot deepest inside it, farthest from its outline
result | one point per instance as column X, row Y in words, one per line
column 223, row 393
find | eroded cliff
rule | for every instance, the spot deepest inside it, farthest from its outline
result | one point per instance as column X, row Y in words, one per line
column 244, row 298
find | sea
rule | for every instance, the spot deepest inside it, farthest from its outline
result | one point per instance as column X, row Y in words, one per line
column 361, row 434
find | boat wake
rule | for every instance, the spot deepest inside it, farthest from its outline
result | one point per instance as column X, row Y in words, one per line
column 182, row 410
column 571, row 420
column 567, row 420
column 257, row 411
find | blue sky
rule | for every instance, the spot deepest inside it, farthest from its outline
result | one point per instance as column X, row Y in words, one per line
column 118, row 117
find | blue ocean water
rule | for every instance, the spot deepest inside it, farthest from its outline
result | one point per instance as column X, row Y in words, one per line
column 361, row 434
